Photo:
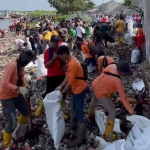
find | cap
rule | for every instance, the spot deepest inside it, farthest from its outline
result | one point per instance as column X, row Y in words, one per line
column 125, row 68
column 37, row 26
column 55, row 38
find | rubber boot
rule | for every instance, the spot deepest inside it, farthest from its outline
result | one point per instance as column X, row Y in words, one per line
column 91, row 112
column 6, row 139
column 81, row 134
column 73, row 121
column 20, row 130
column 62, row 105
column 109, row 135
column 40, row 109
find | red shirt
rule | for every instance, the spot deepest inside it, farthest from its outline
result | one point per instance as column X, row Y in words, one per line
column 140, row 39
column 55, row 68
column 105, row 19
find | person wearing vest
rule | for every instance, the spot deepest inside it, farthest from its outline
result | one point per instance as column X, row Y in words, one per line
column 75, row 80
column 12, row 99
column 55, row 73
column 107, row 83
column 104, row 61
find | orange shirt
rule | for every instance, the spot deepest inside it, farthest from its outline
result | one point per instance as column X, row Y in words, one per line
column 100, row 62
column 74, row 69
column 9, row 81
column 86, row 49
column 105, row 85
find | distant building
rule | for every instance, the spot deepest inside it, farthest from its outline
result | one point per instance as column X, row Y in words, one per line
column 111, row 5
column 4, row 13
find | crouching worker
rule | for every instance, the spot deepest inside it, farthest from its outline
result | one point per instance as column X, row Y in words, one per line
column 79, row 88
column 106, row 84
column 11, row 98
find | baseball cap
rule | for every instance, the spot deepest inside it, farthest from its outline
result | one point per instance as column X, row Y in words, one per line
column 55, row 38
column 125, row 68
column 37, row 26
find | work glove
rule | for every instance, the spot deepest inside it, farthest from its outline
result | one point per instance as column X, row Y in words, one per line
column 60, row 97
column 59, row 88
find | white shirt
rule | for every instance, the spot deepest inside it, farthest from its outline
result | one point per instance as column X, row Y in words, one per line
column 79, row 31
column 19, row 42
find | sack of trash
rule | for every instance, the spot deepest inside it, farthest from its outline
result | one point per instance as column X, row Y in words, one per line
column 135, row 56
column 41, row 70
column 128, row 38
column 54, row 117
column 101, row 118
column 138, row 138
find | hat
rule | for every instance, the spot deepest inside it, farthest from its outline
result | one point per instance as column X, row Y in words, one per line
column 37, row 26
column 125, row 68
column 55, row 38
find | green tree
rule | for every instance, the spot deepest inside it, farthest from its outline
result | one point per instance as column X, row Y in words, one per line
column 71, row 6
column 134, row 4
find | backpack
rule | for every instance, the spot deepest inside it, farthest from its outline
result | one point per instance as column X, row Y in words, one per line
column 85, row 72
column 105, row 62
column 93, row 50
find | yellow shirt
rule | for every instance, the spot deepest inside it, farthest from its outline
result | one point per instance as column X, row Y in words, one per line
column 48, row 35
column 121, row 25
column 54, row 33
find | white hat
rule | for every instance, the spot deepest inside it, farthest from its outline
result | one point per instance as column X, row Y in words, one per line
column 37, row 26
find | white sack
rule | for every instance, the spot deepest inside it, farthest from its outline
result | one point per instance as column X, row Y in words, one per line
column 41, row 70
column 138, row 138
column 135, row 56
column 54, row 117
column 101, row 118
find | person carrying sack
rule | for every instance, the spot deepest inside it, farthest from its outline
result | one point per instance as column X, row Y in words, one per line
column 11, row 98
column 75, row 80
column 106, row 84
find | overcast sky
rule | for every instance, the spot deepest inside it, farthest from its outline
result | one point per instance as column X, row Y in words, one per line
column 31, row 5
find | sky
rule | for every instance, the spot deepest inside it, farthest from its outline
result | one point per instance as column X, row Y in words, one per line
column 31, row 5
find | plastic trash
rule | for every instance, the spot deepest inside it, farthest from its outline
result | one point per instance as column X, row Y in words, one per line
column 41, row 70
column 138, row 85
column 54, row 117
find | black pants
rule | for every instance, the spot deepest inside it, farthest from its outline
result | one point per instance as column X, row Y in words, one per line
column 52, row 83
column 9, row 106
column 17, row 32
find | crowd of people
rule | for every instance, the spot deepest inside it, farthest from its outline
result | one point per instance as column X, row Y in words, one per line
column 65, row 72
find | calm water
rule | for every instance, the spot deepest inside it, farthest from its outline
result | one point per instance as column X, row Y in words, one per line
column 5, row 23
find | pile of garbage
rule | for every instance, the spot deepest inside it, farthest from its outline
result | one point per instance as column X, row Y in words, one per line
column 41, row 139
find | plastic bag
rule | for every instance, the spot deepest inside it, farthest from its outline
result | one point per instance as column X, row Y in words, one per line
column 128, row 38
column 41, row 70
column 54, row 117
column 135, row 56
column 138, row 138
column 101, row 118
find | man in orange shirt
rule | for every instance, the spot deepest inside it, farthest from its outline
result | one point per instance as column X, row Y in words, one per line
column 11, row 98
column 106, row 84
column 89, row 58
column 79, row 88
column 103, row 61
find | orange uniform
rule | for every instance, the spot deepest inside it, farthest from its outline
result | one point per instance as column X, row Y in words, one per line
column 100, row 62
column 9, row 81
column 74, row 69
column 105, row 85
column 86, row 49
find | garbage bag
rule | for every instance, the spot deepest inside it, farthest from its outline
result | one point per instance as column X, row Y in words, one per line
column 138, row 138
column 54, row 117
column 128, row 38
column 135, row 56
column 101, row 118
column 41, row 70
